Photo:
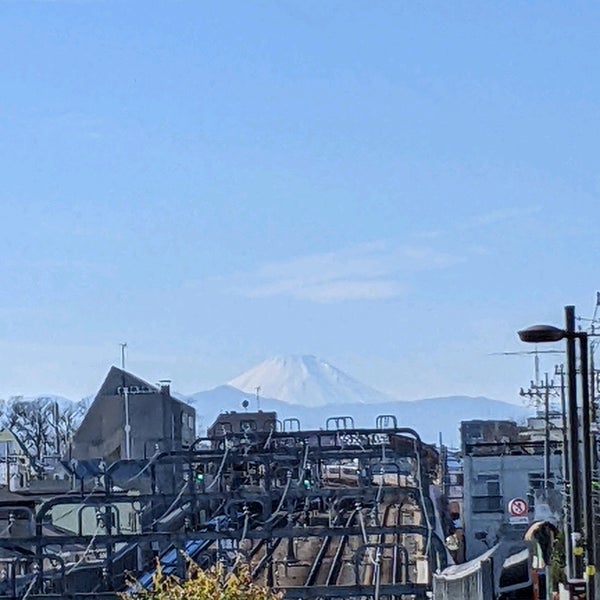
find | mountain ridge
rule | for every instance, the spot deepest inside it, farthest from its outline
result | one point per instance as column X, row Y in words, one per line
column 329, row 392
column 305, row 380
column 430, row 417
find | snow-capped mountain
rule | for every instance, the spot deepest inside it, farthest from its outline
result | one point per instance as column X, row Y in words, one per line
column 306, row 381
column 312, row 390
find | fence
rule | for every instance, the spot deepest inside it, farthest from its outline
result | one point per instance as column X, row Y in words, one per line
column 503, row 571
column 469, row 581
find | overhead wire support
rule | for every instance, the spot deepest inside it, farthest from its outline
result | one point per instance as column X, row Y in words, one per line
column 542, row 392
column 536, row 358
column 256, row 503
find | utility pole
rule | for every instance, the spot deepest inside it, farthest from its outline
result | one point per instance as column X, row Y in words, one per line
column 594, row 380
column 541, row 393
column 257, row 388
column 127, row 427
column 55, row 417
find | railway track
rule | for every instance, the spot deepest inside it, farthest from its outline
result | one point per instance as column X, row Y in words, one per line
column 383, row 559
column 326, row 567
column 393, row 557
column 380, row 559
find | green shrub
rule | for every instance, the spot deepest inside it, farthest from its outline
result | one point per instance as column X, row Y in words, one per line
column 215, row 583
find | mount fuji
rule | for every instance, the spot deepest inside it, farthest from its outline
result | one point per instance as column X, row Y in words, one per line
column 305, row 381
column 313, row 390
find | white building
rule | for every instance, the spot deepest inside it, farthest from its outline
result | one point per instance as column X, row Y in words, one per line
column 15, row 462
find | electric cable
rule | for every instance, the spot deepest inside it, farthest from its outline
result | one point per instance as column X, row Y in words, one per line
column 172, row 505
column 243, row 538
column 245, row 528
column 285, row 491
column 304, row 460
column 145, row 468
column 88, row 548
column 365, row 537
column 30, row 587
column 380, row 488
column 185, row 485
column 7, row 528
column 424, row 507
column 268, row 442
column 220, row 469
column 78, row 504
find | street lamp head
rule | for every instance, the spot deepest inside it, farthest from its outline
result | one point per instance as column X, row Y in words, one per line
column 538, row 334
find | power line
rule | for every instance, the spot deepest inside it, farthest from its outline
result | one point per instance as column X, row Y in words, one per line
column 536, row 360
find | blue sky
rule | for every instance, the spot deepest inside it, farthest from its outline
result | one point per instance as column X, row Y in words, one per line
column 396, row 187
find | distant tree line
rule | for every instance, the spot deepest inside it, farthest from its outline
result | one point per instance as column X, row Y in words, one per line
column 43, row 425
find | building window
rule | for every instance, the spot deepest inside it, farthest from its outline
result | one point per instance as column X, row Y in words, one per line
column 248, row 425
column 487, row 484
column 536, row 480
column 487, row 495
column 474, row 434
column 456, row 479
column 485, row 504
column 223, row 427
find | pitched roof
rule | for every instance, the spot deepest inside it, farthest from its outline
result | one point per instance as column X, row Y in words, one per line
column 119, row 378
column 7, row 435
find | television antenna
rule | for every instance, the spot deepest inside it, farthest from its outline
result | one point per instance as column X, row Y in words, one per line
column 123, row 346
column 257, row 388
column 536, row 358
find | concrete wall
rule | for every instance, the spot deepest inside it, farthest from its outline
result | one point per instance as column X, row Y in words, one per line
column 155, row 417
column 496, row 523
column 477, row 430
column 238, row 422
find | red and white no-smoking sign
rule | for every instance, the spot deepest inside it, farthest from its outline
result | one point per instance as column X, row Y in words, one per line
column 517, row 507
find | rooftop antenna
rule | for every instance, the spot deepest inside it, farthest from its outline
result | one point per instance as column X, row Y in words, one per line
column 257, row 388
column 123, row 346
column 536, row 358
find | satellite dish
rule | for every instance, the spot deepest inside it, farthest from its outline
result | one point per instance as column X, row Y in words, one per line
column 245, row 403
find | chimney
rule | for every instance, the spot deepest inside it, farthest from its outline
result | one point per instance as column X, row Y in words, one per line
column 165, row 386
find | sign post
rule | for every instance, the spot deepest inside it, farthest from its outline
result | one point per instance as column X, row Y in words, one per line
column 518, row 510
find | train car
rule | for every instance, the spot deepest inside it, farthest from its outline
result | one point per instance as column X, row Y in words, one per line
column 340, row 474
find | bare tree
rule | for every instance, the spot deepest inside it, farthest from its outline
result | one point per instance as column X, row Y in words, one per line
column 43, row 425
column 66, row 420
column 30, row 421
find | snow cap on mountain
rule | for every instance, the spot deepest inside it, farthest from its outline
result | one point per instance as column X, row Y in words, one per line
column 307, row 381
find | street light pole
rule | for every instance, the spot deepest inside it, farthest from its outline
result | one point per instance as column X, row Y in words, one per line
column 581, row 508
column 565, row 464
column 573, row 440
column 588, row 509
column 546, row 436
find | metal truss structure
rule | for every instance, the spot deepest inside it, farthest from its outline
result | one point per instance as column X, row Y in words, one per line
column 341, row 512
